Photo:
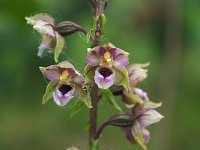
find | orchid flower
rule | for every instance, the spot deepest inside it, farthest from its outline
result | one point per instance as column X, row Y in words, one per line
column 65, row 83
column 106, row 63
column 52, row 41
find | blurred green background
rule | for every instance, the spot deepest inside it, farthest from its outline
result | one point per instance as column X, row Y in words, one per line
column 163, row 32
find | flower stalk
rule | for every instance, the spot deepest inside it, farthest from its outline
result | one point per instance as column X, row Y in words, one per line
column 94, row 92
column 106, row 75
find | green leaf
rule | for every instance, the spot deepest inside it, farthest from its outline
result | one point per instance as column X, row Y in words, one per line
column 49, row 90
column 107, row 94
column 60, row 45
column 79, row 105
column 138, row 135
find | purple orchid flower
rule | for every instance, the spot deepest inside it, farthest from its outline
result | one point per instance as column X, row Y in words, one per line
column 143, row 117
column 105, row 61
column 51, row 39
column 68, row 83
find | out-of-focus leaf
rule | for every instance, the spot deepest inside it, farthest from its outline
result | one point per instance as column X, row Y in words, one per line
column 60, row 45
column 121, row 120
column 77, row 108
column 87, row 126
column 49, row 90
column 107, row 94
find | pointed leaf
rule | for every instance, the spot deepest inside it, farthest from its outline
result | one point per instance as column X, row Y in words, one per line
column 60, row 45
column 79, row 105
column 107, row 94
column 49, row 90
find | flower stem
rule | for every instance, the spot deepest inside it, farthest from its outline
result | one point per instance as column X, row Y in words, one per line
column 97, row 12
column 93, row 115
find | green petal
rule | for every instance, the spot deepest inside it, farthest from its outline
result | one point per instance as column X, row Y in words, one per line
column 138, row 135
column 122, row 78
column 60, row 45
column 151, row 105
column 65, row 64
column 89, row 73
column 41, row 16
column 49, row 90
column 83, row 94
column 73, row 148
column 132, row 98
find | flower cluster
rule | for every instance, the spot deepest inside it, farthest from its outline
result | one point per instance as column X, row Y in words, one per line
column 143, row 115
column 106, row 70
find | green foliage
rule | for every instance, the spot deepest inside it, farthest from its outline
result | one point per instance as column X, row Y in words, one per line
column 107, row 95
column 77, row 108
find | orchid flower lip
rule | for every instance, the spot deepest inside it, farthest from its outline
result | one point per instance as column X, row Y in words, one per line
column 64, row 88
column 104, row 77
column 63, row 94
column 105, row 72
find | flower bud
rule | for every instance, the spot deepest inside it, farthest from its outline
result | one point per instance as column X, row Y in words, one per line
column 137, row 73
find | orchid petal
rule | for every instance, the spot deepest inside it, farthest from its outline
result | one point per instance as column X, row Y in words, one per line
column 104, row 78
